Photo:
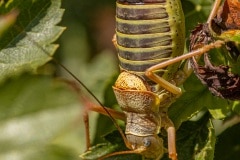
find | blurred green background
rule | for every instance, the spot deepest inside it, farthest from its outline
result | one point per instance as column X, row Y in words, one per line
column 56, row 130
column 91, row 23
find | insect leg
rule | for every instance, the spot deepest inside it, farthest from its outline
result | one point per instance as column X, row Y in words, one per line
column 172, row 152
column 214, row 11
column 89, row 106
column 164, row 83
column 87, row 131
column 115, row 114
column 167, row 123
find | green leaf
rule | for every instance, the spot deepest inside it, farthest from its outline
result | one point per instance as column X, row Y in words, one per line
column 32, row 118
column 231, row 35
column 41, row 118
column 189, row 103
column 196, row 139
column 227, row 146
column 38, row 114
column 98, row 151
column 114, row 144
column 196, row 98
column 37, row 19
column 236, row 107
column 28, row 95
column 206, row 151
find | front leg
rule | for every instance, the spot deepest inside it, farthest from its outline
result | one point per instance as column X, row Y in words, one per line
column 166, row 84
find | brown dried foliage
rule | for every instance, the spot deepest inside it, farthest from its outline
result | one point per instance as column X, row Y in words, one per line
column 220, row 81
column 228, row 16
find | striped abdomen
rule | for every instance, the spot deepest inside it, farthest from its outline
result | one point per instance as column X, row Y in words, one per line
column 148, row 32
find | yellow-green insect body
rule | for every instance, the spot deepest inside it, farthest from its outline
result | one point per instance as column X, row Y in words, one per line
column 148, row 32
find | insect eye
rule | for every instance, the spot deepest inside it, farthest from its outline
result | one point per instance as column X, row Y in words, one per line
column 146, row 142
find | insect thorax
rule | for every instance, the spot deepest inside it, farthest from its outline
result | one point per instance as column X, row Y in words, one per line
column 143, row 120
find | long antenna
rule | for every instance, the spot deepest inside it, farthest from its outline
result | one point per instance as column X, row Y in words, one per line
column 82, row 84
column 69, row 72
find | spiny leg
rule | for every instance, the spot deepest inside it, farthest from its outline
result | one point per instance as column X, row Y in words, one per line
column 114, row 113
column 90, row 106
column 87, row 130
column 119, row 115
column 83, row 99
column 214, row 11
column 87, row 105
column 168, row 125
column 166, row 122
column 172, row 152
column 167, row 85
